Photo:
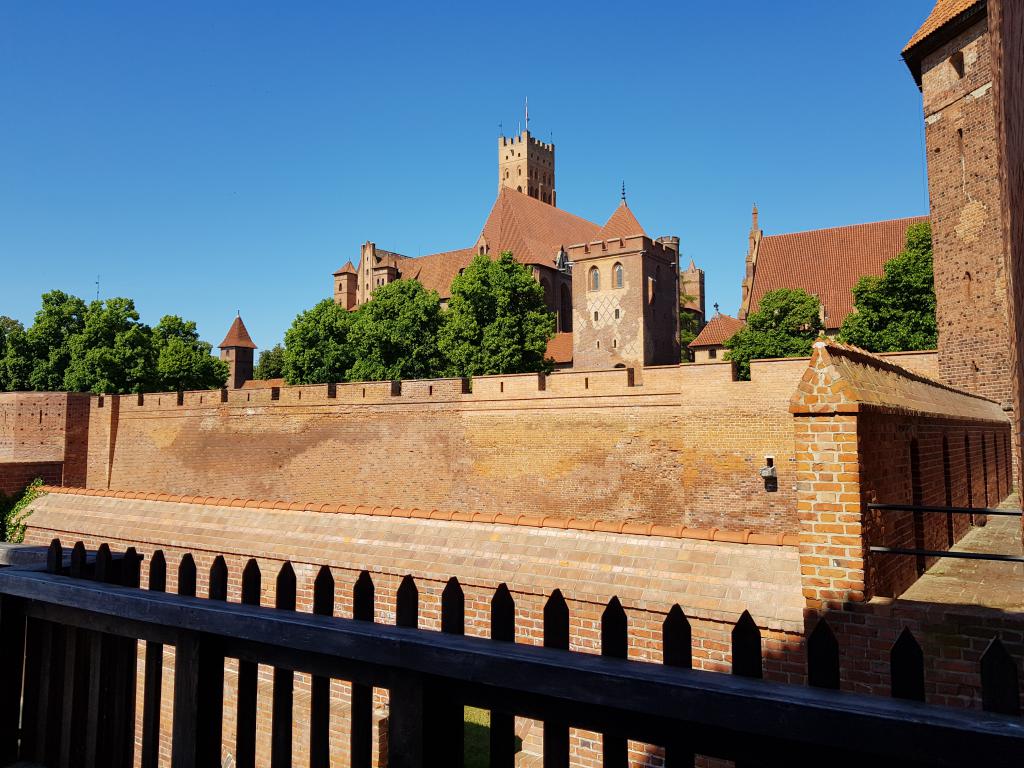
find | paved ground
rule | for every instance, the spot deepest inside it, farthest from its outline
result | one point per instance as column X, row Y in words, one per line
column 979, row 582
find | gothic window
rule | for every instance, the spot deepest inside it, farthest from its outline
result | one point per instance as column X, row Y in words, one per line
column 617, row 275
column 595, row 279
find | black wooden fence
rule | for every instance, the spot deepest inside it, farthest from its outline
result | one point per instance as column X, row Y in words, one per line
column 76, row 625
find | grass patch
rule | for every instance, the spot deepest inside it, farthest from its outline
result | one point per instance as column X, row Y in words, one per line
column 477, row 750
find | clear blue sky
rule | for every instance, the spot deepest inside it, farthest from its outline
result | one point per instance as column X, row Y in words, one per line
column 203, row 157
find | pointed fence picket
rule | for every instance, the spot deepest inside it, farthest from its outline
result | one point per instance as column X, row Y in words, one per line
column 76, row 688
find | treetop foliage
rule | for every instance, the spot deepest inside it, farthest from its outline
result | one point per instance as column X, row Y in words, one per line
column 104, row 347
column 895, row 312
column 496, row 321
column 786, row 324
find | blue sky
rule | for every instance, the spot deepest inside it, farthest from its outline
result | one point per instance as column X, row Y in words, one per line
column 207, row 157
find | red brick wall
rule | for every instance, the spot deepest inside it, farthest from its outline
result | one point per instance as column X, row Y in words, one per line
column 684, row 447
column 14, row 477
column 970, row 268
column 1006, row 28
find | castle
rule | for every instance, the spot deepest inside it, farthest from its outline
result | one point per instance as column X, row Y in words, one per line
column 613, row 287
column 682, row 486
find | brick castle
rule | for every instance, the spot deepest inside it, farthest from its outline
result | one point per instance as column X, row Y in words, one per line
column 661, row 484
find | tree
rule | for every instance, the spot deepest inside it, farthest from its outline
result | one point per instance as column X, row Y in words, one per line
column 786, row 324
column 183, row 361
column 270, row 364
column 40, row 363
column 895, row 312
column 496, row 321
column 316, row 347
column 114, row 351
column 394, row 335
column 689, row 324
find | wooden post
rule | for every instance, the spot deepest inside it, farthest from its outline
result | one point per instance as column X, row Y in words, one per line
column 12, row 651
column 194, row 742
column 361, row 737
column 405, row 723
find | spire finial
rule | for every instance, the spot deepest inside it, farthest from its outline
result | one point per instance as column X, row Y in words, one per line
column 623, row 190
column 238, row 313
column 753, row 225
column 716, row 307
column 527, row 113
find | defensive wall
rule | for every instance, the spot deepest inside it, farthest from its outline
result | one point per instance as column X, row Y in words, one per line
column 44, row 435
column 597, row 483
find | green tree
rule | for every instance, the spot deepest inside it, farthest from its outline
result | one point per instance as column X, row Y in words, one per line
column 689, row 324
column 113, row 353
column 316, row 347
column 17, row 362
column 183, row 361
column 496, row 321
column 270, row 364
column 40, row 363
column 896, row 311
column 395, row 335
column 785, row 325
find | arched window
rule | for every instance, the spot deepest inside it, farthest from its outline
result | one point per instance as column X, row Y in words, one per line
column 617, row 275
column 595, row 279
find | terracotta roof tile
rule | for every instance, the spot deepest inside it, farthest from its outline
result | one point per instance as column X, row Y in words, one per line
column 437, row 270
column 237, row 336
column 532, row 230
column 828, row 262
column 943, row 13
column 718, row 330
column 560, row 348
column 347, row 269
column 621, row 224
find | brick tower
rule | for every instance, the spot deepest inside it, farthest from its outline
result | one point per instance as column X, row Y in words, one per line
column 951, row 61
column 625, row 296
column 527, row 165
column 237, row 351
column 345, row 280
column 691, row 283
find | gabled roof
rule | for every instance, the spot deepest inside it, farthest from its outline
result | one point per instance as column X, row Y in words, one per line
column 621, row 224
column 947, row 19
column 437, row 270
column 348, row 269
column 827, row 262
column 532, row 230
column 719, row 329
column 237, row 336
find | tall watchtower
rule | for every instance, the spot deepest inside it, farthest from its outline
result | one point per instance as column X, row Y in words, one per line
column 237, row 351
column 527, row 165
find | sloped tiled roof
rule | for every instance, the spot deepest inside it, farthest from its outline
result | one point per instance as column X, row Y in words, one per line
column 560, row 348
column 827, row 262
column 718, row 330
column 621, row 224
column 943, row 13
column 532, row 230
column 238, row 336
column 347, row 269
column 437, row 270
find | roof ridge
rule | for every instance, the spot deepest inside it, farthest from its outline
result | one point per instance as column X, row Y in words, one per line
column 920, row 217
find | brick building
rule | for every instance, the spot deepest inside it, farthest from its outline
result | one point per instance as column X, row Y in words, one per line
column 709, row 344
column 237, row 350
column 826, row 263
column 526, row 221
column 950, row 59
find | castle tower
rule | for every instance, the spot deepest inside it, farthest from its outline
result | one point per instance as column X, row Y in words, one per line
column 625, row 296
column 237, row 351
column 950, row 59
column 691, row 282
column 345, row 280
column 527, row 165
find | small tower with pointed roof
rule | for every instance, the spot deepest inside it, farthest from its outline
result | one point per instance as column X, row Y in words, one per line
column 753, row 246
column 345, row 280
column 625, row 289
column 691, row 282
column 237, row 351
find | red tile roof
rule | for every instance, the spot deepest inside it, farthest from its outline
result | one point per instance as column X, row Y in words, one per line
column 437, row 270
column 621, row 224
column 347, row 269
column 942, row 14
column 560, row 348
column 238, row 336
column 718, row 330
column 827, row 262
column 532, row 230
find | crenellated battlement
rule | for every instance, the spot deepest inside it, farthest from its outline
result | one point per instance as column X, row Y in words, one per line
column 526, row 139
